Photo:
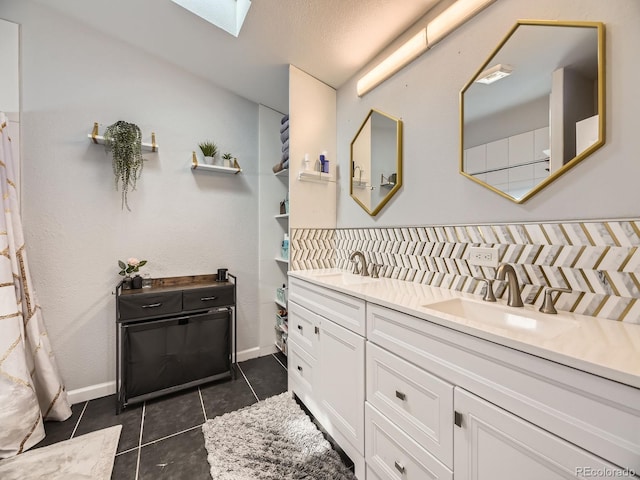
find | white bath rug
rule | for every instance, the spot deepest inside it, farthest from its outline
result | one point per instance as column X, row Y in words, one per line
column 270, row 440
column 88, row 457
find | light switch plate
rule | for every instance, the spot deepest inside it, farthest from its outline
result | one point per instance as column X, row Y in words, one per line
column 484, row 256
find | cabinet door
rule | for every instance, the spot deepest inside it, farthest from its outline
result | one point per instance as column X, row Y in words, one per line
column 492, row 444
column 341, row 378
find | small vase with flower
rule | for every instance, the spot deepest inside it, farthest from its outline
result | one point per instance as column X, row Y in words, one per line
column 132, row 266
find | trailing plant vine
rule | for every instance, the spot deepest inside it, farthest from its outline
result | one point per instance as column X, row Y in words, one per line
column 124, row 141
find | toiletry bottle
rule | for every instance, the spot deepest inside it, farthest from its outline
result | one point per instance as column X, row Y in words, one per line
column 306, row 162
column 285, row 246
column 325, row 164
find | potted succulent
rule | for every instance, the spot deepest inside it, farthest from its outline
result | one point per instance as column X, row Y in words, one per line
column 209, row 150
column 124, row 141
column 227, row 159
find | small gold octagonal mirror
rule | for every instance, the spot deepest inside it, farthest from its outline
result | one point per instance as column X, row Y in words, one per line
column 376, row 161
column 535, row 108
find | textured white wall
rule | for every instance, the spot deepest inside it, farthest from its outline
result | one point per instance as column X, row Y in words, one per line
column 182, row 222
column 425, row 95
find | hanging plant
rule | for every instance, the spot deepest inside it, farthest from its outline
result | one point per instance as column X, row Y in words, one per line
column 124, row 141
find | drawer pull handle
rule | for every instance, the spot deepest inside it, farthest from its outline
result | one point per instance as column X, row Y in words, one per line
column 317, row 330
column 299, row 368
column 300, row 327
column 206, row 299
column 401, row 395
column 152, row 305
column 399, row 467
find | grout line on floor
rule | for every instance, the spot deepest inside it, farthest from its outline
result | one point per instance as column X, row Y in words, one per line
column 248, row 383
column 79, row 418
column 278, row 360
column 126, row 451
column 144, row 410
column 204, row 412
column 169, row 436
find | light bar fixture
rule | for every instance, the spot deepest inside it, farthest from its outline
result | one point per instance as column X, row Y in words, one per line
column 494, row 74
column 436, row 30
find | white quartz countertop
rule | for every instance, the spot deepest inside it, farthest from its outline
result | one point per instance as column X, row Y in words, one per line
column 606, row 348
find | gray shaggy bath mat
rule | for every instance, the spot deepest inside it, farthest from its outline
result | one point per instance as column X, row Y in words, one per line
column 270, row 440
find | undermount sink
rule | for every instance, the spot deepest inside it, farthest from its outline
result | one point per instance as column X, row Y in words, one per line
column 509, row 318
column 345, row 278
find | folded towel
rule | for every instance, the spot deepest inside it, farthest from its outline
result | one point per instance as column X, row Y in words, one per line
column 285, row 156
column 285, row 145
column 285, row 118
column 284, row 136
column 284, row 126
column 277, row 167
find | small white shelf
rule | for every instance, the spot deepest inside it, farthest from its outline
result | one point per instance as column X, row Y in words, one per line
column 282, row 215
column 280, row 349
column 279, row 303
column 282, row 260
column 311, row 176
column 99, row 140
column 282, row 173
column 216, row 168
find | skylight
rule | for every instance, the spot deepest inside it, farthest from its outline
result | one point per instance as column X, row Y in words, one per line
column 228, row 15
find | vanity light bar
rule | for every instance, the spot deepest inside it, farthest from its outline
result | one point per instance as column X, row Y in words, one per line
column 408, row 52
column 494, row 74
column 436, row 30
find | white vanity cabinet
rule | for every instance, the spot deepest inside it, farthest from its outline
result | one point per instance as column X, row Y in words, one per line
column 515, row 415
column 327, row 362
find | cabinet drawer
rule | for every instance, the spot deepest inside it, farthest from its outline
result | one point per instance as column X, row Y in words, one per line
column 393, row 455
column 346, row 311
column 303, row 328
column 414, row 400
column 301, row 371
column 149, row 304
column 202, row 298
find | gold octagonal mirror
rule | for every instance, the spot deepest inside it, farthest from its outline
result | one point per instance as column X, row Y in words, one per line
column 535, row 108
column 376, row 161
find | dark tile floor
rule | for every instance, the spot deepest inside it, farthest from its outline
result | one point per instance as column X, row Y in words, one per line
column 161, row 438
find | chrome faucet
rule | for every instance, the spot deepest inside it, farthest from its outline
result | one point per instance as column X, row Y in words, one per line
column 512, row 282
column 363, row 263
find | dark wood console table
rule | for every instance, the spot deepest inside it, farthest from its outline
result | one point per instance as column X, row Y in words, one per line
column 176, row 334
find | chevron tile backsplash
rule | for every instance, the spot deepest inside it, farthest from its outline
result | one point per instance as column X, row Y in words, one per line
column 598, row 261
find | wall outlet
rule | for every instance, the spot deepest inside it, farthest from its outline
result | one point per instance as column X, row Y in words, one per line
column 484, row 256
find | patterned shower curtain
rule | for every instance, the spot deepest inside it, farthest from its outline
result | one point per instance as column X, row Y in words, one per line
column 30, row 386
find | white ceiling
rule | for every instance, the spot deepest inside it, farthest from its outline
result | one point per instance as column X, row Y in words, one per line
column 329, row 39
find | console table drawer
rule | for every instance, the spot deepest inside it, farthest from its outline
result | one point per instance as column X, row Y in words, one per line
column 149, row 305
column 202, row 298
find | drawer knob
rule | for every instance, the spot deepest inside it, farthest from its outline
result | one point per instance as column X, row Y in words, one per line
column 152, row 305
column 399, row 467
column 299, row 368
column 206, row 299
column 300, row 327
column 401, row 395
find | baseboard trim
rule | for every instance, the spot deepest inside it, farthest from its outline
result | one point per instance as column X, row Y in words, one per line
column 91, row 392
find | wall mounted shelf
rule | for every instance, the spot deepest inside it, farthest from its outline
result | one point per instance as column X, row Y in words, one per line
column 282, row 260
column 215, row 168
column 99, row 139
column 282, row 215
column 312, row 176
column 282, row 173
